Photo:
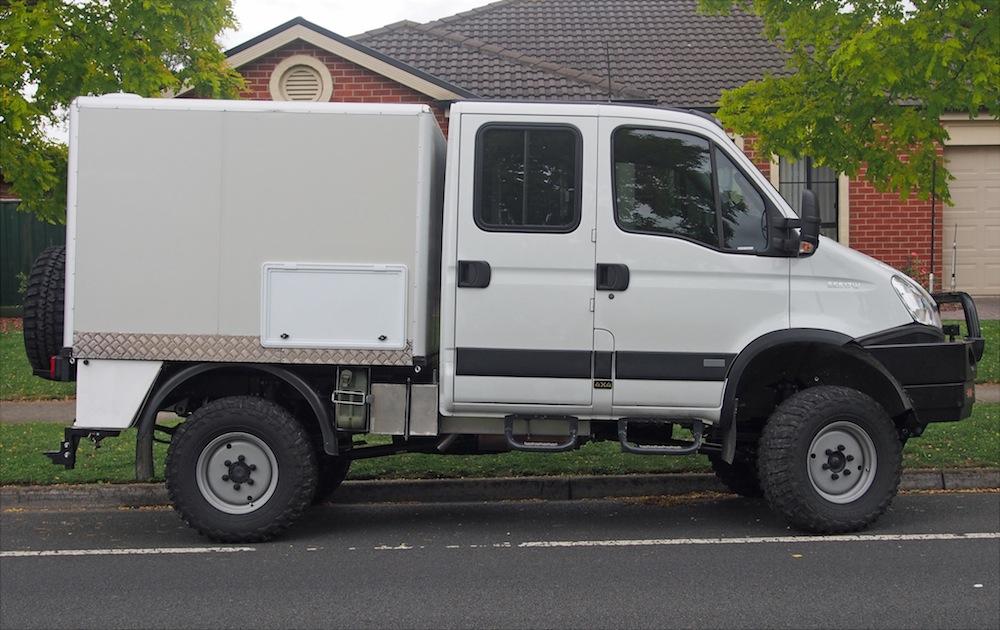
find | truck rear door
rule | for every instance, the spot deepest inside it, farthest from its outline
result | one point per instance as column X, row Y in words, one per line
column 525, row 263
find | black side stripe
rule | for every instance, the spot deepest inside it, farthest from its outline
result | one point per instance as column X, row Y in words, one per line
column 527, row 363
column 653, row 366
column 672, row 366
column 602, row 364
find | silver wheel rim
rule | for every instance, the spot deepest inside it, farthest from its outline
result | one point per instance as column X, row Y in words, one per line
column 842, row 462
column 237, row 473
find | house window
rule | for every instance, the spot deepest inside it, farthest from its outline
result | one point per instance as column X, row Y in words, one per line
column 796, row 176
column 527, row 178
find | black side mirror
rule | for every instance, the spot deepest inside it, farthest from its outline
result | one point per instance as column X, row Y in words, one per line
column 809, row 229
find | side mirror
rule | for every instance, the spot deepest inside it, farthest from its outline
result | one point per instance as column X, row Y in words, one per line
column 810, row 223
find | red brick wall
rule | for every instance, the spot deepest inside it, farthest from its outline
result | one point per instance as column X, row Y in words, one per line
column 351, row 82
column 760, row 160
column 895, row 231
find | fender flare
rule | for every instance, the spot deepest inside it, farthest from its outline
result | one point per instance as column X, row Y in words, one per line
column 147, row 414
column 727, row 417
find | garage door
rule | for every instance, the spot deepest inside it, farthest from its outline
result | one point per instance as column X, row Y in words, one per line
column 975, row 194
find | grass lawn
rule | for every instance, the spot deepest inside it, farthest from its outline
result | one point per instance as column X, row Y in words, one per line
column 989, row 366
column 974, row 442
column 16, row 380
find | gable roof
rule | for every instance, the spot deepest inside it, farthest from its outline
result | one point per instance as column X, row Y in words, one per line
column 491, row 70
column 351, row 50
column 661, row 49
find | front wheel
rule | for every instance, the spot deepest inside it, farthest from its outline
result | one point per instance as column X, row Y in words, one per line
column 241, row 469
column 829, row 460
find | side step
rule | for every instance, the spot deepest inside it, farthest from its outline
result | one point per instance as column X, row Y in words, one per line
column 544, row 447
column 681, row 448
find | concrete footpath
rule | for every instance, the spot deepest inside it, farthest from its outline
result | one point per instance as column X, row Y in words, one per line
column 92, row 496
column 63, row 411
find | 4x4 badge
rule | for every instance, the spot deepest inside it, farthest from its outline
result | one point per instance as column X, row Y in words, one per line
column 602, row 384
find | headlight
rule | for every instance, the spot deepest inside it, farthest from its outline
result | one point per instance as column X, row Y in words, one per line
column 921, row 305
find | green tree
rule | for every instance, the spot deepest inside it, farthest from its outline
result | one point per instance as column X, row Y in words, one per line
column 867, row 82
column 52, row 51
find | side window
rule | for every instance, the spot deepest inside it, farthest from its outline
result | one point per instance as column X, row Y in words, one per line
column 663, row 184
column 527, row 178
column 744, row 226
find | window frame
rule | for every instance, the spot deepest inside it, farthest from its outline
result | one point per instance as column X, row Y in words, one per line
column 835, row 224
column 478, row 165
column 770, row 211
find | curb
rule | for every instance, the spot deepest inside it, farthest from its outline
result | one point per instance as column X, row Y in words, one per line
column 91, row 496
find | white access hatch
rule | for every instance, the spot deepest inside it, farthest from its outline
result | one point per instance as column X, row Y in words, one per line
column 318, row 305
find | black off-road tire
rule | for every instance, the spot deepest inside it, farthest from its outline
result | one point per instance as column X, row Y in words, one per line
column 784, row 452
column 740, row 476
column 332, row 472
column 43, row 309
column 280, row 431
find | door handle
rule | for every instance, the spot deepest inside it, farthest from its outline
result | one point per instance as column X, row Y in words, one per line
column 612, row 277
column 474, row 274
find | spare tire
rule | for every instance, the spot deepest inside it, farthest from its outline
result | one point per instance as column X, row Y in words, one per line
column 43, row 309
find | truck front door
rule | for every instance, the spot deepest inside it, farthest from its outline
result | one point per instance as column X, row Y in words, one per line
column 525, row 264
column 679, row 229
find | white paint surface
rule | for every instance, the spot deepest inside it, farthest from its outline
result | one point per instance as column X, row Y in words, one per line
column 108, row 393
column 333, row 306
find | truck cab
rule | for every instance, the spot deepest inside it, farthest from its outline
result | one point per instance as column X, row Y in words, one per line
column 565, row 273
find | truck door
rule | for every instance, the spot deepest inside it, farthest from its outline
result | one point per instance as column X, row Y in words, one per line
column 525, row 263
column 680, row 220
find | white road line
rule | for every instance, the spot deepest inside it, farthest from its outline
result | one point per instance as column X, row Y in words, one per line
column 152, row 551
column 759, row 540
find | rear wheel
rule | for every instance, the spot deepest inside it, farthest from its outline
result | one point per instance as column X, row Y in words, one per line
column 241, row 469
column 829, row 460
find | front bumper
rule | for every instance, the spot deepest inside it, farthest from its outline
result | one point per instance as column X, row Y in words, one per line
column 937, row 376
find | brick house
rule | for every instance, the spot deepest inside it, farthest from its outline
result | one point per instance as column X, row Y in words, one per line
column 658, row 52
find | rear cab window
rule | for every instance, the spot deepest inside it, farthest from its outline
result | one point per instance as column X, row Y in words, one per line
column 527, row 178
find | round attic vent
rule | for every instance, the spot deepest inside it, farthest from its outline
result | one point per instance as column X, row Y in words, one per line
column 301, row 78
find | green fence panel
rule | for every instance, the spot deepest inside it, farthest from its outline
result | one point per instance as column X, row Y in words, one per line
column 22, row 238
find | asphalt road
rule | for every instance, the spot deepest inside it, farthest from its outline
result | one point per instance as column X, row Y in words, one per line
column 933, row 561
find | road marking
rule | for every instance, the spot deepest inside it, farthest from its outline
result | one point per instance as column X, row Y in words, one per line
column 651, row 542
column 152, row 551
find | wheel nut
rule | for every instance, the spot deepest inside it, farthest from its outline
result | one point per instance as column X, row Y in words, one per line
column 835, row 476
column 840, row 447
column 826, row 466
column 236, row 487
column 241, row 457
column 850, row 458
column 225, row 477
column 846, row 472
column 227, row 463
column 829, row 452
column 253, row 466
column 249, row 482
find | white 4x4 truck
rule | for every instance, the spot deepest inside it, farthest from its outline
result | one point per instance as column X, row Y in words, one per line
column 288, row 277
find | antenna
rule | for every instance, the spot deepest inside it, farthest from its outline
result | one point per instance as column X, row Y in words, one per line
column 933, row 226
column 954, row 255
column 607, row 57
